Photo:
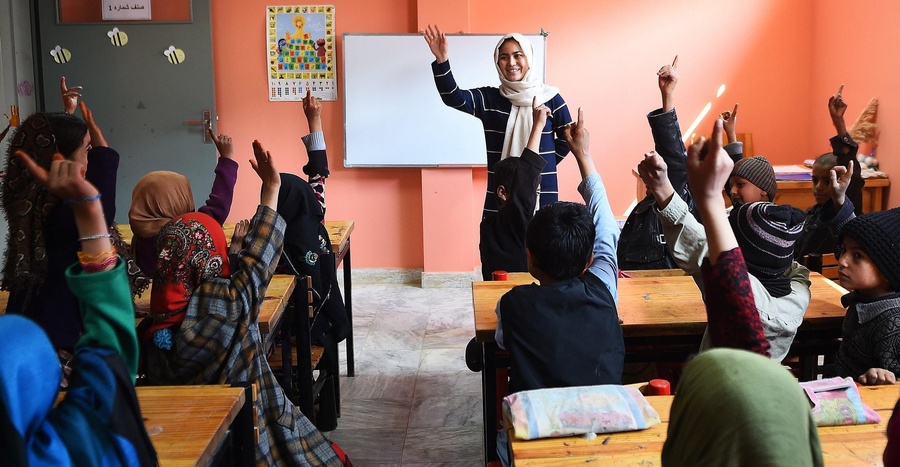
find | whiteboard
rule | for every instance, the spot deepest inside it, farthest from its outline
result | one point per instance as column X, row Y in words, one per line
column 393, row 114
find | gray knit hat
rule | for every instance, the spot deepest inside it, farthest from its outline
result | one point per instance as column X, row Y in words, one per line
column 878, row 233
column 758, row 171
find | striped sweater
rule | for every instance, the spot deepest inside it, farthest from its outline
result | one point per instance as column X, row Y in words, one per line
column 489, row 106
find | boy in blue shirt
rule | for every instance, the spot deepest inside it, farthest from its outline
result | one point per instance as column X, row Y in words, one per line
column 565, row 331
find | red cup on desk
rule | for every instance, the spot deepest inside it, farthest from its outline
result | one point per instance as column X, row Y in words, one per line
column 500, row 275
column 659, row 387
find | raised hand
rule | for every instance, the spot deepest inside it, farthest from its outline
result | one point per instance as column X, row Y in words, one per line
column 13, row 116
column 312, row 108
column 577, row 136
column 840, row 180
column 836, row 108
column 237, row 238
column 97, row 138
column 264, row 166
column 729, row 121
column 708, row 166
column 540, row 113
column 654, row 173
column 224, row 144
column 65, row 179
column 668, row 78
column 69, row 96
column 437, row 42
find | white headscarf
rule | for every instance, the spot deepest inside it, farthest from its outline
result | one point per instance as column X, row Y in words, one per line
column 521, row 94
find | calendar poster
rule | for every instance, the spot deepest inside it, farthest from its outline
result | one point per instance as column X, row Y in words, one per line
column 301, row 52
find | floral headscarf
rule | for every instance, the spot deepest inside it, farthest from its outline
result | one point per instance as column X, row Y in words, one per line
column 192, row 249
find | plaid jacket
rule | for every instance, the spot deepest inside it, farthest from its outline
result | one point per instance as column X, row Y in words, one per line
column 219, row 342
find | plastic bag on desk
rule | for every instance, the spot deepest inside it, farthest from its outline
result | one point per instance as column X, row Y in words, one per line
column 836, row 401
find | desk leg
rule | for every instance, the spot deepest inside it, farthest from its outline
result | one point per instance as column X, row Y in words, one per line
column 242, row 429
column 489, row 400
column 287, row 364
column 348, row 304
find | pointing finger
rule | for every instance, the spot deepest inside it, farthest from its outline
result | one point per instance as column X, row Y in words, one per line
column 840, row 91
column 675, row 62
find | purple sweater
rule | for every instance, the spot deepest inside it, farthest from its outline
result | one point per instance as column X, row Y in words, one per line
column 217, row 206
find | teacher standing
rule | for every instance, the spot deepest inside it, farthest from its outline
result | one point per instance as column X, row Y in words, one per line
column 505, row 112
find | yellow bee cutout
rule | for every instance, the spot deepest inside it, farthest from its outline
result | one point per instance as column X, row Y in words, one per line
column 61, row 55
column 118, row 38
column 174, row 55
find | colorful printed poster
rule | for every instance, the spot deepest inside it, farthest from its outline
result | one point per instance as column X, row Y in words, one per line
column 301, row 52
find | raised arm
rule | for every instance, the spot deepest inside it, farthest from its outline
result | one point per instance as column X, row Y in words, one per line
column 316, row 169
column 731, row 311
column 606, row 233
column 221, row 196
column 845, row 148
column 12, row 118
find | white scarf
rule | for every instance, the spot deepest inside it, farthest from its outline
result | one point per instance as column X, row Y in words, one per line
column 521, row 94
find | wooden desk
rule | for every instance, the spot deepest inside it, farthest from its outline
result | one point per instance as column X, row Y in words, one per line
column 798, row 193
column 841, row 445
column 663, row 320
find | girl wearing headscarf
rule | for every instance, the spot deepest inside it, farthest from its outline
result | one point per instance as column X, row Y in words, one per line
column 734, row 406
column 43, row 238
column 203, row 323
column 307, row 248
column 99, row 421
column 161, row 195
column 505, row 112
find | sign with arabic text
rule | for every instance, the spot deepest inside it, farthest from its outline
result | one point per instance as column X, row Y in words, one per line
column 118, row 10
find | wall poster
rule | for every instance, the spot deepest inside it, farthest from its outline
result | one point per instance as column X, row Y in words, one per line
column 301, row 52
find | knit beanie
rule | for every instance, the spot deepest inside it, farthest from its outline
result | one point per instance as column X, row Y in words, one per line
column 878, row 234
column 766, row 234
column 758, row 171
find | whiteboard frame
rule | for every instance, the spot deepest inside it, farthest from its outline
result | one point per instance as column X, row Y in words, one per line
column 380, row 130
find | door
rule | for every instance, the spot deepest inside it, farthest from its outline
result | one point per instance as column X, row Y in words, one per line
column 139, row 98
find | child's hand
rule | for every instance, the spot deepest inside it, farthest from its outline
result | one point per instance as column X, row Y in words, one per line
column 840, row 180
column 877, row 376
column 264, row 166
column 65, row 178
column 540, row 113
column 708, row 166
column 13, row 116
column 437, row 42
column 577, row 136
column 837, row 106
column 237, row 238
column 97, row 139
column 654, row 173
column 312, row 108
column 224, row 144
column 69, row 96
column 668, row 77
column 729, row 120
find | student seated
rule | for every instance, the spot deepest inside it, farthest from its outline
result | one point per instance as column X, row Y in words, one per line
column 565, row 331
column 733, row 406
column 817, row 237
column 766, row 233
column 99, row 421
column 502, row 242
column 161, row 195
column 204, row 312
column 642, row 245
column 868, row 266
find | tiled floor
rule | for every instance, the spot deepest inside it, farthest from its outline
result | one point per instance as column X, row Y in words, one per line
column 412, row 402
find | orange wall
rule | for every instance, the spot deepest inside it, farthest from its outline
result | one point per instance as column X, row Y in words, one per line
column 857, row 47
column 602, row 54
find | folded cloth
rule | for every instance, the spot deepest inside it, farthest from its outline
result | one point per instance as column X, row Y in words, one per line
column 557, row 412
column 836, row 401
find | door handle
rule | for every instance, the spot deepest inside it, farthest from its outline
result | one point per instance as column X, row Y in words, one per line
column 206, row 122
